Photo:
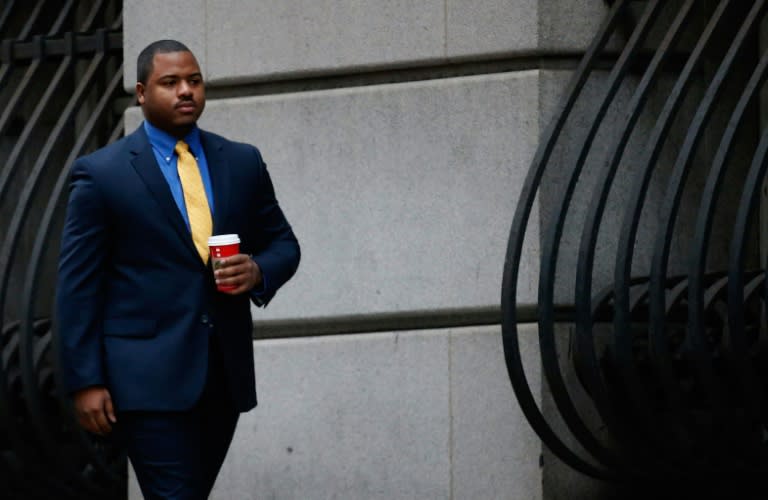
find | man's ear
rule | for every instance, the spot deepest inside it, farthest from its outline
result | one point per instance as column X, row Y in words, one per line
column 140, row 92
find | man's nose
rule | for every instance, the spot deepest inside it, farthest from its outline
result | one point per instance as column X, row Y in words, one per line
column 184, row 89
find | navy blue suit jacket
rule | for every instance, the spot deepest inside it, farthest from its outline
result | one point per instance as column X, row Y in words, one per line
column 135, row 303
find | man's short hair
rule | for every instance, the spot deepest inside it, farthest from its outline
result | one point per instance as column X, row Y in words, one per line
column 144, row 61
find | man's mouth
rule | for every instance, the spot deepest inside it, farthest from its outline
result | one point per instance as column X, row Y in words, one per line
column 185, row 106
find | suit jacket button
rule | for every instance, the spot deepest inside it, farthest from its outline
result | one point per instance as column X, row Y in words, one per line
column 204, row 319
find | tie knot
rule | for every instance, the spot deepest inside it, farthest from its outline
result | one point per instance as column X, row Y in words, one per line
column 181, row 147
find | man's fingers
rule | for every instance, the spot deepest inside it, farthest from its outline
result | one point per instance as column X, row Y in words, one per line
column 235, row 275
column 86, row 423
column 234, row 265
column 90, row 423
column 232, row 270
column 238, row 271
column 100, row 422
column 110, row 410
column 233, row 261
column 95, row 411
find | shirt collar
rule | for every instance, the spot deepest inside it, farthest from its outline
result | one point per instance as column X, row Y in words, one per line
column 165, row 143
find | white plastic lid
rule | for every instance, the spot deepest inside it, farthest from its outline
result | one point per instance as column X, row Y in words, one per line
column 223, row 239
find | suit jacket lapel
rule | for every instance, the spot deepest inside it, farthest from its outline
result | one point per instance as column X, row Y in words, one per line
column 146, row 166
column 218, row 168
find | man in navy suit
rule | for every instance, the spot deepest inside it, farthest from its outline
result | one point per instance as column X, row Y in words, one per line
column 148, row 344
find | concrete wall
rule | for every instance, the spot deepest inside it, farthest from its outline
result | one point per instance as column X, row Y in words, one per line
column 401, row 190
column 243, row 40
column 410, row 415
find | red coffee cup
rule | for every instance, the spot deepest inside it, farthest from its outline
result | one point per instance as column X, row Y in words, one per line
column 221, row 247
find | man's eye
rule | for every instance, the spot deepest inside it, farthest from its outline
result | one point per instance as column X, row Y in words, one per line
column 169, row 83
column 195, row 81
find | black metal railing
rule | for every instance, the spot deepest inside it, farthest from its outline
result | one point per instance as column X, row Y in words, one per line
column 61, row 96
column 646, row 189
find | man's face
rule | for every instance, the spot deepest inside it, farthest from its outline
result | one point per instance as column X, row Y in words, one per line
column 174, row 95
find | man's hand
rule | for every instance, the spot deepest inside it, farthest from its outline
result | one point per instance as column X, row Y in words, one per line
column 239, row 271
column 93, row 406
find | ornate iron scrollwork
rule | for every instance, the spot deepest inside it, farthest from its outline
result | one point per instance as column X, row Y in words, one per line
column 648, row 183
column 60, row 94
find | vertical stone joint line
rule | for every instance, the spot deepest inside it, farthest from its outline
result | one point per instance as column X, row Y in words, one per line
column 445, row 28
column 450, row 415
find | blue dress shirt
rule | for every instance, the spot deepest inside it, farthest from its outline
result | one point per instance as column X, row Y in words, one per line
column 163, row 145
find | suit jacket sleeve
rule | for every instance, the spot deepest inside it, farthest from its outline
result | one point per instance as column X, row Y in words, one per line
column 80, row 286
column 278, row 257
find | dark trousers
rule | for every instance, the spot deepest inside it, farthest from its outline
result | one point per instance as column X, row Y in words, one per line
column 177, row 455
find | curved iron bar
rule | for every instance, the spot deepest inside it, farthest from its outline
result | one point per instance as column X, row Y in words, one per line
column 7, row 422
column 65, row 66
column 41, row 425
column 754, row 284
column 663, row 361
column 751, row 398
column 5, row 69
column 7, row 173
column 5, row 256
column 6, row 13
column 746, row 207
column 603, row 311
column 118, row 131
column 668, row 217
column 35, row 484
column 515, row 246
column 638, row 423
column 33, row 270
column 27, row 375
column 21, row 88
column 675, row 338
column 550, row 252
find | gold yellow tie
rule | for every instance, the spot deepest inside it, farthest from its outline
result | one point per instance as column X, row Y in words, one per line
column 196, row 201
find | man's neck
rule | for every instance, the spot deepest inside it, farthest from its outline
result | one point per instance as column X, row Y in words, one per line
column 177, row 132
column 181, row 133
